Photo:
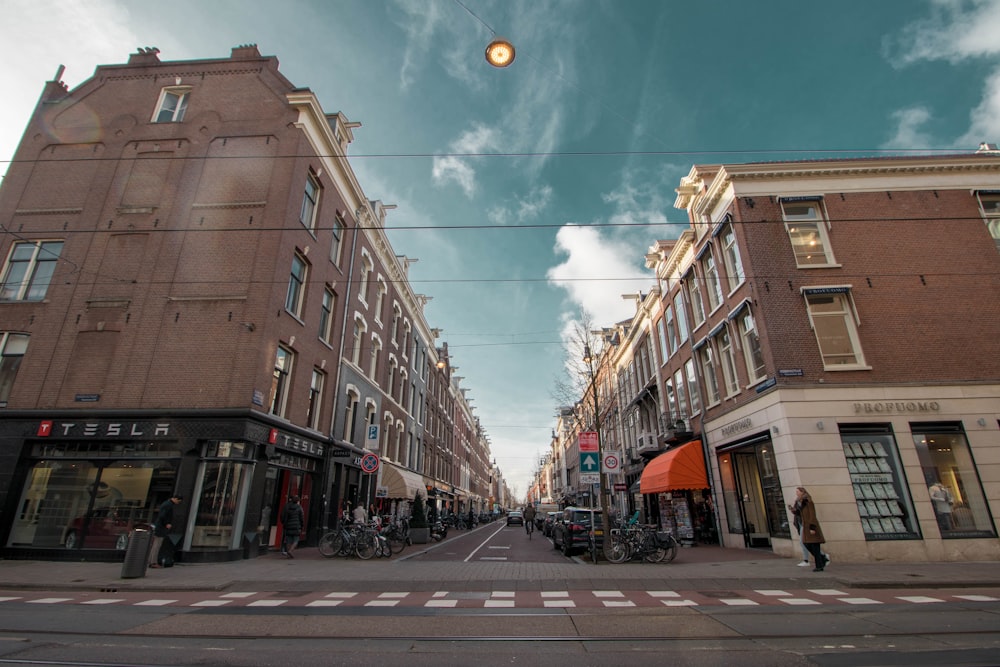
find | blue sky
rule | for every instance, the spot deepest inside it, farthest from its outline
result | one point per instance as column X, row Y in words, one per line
column 530, row 194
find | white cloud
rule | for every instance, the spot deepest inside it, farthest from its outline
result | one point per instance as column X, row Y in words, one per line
column 458, row 167
column 985, row 118
column 909, row 133
column 956, row 30
column 523, row 209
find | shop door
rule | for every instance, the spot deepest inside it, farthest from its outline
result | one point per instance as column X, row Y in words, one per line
column 280, row 486
column 752, row 506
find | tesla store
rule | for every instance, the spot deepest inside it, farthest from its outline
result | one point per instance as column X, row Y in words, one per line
column 75, row 487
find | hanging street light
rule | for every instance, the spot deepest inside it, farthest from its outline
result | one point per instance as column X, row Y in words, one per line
column 500, row 52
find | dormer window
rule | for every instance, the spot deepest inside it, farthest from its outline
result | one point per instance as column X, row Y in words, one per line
column 172, row 105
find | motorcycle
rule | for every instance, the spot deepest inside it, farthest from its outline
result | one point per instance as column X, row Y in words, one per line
column 439, row 531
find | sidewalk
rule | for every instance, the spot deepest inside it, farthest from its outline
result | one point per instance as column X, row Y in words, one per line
column 697, row 568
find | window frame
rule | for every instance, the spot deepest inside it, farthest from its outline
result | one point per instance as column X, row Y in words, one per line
column 9, row 367
column 735, row 275
column 723, row 339
column 849, row 316
column 750, row 341
column 309, row 212
column 284, row 363
column 327, row 307
column 295, row 296
column 694, row 297
column 32, row 279
column 991, row 214
column 713, row 282
column 794, row 224
column 314, row 406
column 337, row 233
column 183, row 95
column 706, row 358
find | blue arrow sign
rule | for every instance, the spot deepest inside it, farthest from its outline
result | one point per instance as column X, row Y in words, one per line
column 589, row 462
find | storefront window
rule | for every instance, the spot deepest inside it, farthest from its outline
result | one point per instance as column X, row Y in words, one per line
column 880, row 489
column 730, row 496
column 953, row 484
column 75, row 504
column 221, row 493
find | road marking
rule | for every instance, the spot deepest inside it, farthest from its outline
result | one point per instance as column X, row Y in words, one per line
column 384, row 596
column 211, row 603
column 618, row 603
column 977, row 598
column 774, row 593
column 555, row 594
column 503, row 594
column 9, row 599
column 859, row 601
column 340, row 595
column 663, row 594
column 49, row 600
column 799, row 601
column 493, row 558
column 473, row 553
column 826, row 591
column 382, row 603
column 104, row 601
column 679, row 603
column 440, row 594
column 324, row 603
column 441, row 603
column 739, row 602
column 559, row 603
column 609, row 594
column 238, row 595
column 918, row 599
column 154, row 603
column 498, row 603
column 267, row 603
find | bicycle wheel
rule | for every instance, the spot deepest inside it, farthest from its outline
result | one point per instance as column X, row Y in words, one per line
column 365, row 548
column 396, row 541
column 671, row 552
column 329, row 544
column 616, row 550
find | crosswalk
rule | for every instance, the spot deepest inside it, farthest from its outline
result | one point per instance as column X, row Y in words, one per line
column 507, row 599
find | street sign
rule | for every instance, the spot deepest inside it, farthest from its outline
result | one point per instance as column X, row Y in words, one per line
column 590, row 478
column 371, row 441
column 612, row 464
column 589, row 462
column 588, row 441
column 369, row 463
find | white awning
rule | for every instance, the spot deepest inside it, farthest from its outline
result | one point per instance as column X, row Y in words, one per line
column 400, row 482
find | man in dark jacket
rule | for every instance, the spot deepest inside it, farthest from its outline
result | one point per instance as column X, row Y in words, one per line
column 161, row 528
column 293, row 519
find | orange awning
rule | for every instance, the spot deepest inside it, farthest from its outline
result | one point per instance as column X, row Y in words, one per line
column 681, row 468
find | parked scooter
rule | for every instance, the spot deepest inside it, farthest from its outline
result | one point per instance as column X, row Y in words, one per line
column 439, row 531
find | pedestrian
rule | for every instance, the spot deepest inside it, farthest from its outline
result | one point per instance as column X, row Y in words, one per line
column 812, row 534
column 293, row 520
column 796, row 510
column 373, row 512
column 360, row 515
column 161, row 527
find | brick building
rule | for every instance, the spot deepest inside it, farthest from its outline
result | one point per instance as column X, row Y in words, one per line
column 834, row 325
column 198, row 298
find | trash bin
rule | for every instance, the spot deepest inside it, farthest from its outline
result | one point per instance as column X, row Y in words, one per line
column 137, row 553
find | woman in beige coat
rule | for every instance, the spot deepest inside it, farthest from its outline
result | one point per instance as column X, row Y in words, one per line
column 812, row 533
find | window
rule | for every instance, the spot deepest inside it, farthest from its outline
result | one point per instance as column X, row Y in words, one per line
column 727, row 360
column 396, row 314
column 953, row 485
column 315, row 398
column 694, row 295
column 351, row 415
column 712, row 285
column 731, row 256
column 682, row 404
column 337, row 246
column 990, row 204
column 172, row 105
column 366, row 273
column 280, row 381
column 359, row 331
column 296, row 286
column 752, row 354
column 390, row 388
column 807, row 232
column 29, row 270
column 661, row 329
column 307, row 216
column 835, row 327
column 12, row 349
column 380, row 299
column 373, row 362
column 326, row 316
column 880, row 489
column 708, row 374
column 692, row 381
column 671, row 331
column 679, row 312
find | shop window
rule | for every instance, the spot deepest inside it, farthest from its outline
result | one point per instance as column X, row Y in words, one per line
column 730, row 496
column 29, row 270
column 880, row 489
column 77, row 504
column 952, row 480
column 218, row 501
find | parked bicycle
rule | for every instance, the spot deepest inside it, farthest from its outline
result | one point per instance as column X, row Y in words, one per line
column 349, row 539
column 638, row 541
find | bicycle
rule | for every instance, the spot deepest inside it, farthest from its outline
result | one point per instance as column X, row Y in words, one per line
column 636, row 541
column 529, row 527
column 347, row 540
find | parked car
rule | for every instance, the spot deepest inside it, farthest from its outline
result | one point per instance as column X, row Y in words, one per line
column 571, row 531
column 515, row 517
column 101, row 528
column 548, row 522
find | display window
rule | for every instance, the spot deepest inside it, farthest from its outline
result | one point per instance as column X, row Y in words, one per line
column 89, row 504
column 221, row 497
column 880, row 489
column 953, row 485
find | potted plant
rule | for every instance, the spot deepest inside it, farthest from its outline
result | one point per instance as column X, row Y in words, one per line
column 420, row 532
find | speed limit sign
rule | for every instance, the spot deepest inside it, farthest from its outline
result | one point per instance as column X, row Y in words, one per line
column 611, row 462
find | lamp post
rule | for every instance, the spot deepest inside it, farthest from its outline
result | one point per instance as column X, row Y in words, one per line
column 589, row 360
